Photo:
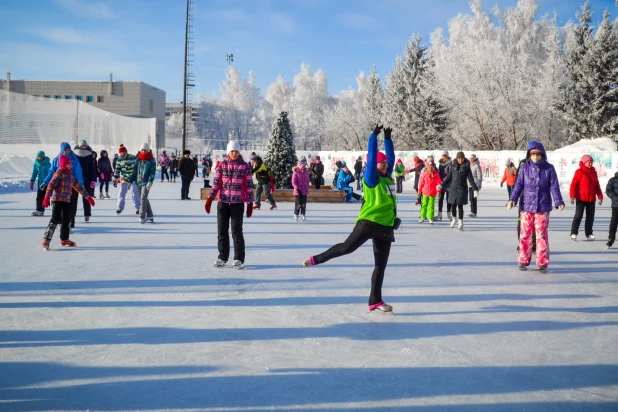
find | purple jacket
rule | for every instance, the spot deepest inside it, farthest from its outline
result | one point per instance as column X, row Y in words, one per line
column 300, row 181
column 538, row 182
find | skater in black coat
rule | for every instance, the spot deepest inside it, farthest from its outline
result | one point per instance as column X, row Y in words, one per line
column 612, row 192
column 460, row 176
column 358, row 166
column 186, row 167
column 105, row 174
column 89, row 174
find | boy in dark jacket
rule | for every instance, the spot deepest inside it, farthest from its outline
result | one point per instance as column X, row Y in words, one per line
column 186, row 167
column 258, row 168
column 612, row 192
column 105, row 174
column 317, row 170
column 89, row 176
column 59, row 191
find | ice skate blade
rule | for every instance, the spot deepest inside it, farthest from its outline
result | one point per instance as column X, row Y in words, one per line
column 378, row 312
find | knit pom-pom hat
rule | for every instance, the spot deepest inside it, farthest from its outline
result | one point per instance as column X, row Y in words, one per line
column 64, row 161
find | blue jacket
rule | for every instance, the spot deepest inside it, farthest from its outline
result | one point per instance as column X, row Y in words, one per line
column 40, row 169
column 76, row 170
column 343, row 180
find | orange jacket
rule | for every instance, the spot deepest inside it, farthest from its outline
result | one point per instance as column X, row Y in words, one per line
column 509, row 178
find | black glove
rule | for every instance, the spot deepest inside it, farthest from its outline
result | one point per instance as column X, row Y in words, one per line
column 387, row 133
column 115, row 184
column 43, row 186
column 377, row 130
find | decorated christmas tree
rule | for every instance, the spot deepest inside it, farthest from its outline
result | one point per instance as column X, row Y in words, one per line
column 281, row 156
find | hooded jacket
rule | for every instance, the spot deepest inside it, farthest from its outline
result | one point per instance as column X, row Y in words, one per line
column 585, row 186
column 300, row 180
column 233, row 181
column 105, row 167
column 612, row 190
column 458, row 181
column 444, row 168
column 510, row 175
column 477, row 173
column 428, row 183
column 40, row 169
column 86, row 162
column 164, row 160
column 538, row 182
column 55, row 164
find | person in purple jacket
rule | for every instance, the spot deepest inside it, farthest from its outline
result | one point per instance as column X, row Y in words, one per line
column 539, row 183
column 300, row 182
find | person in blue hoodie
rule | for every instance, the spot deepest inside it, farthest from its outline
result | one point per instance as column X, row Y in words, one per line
column 39, row 172
column 65, row 149
column 343, row 183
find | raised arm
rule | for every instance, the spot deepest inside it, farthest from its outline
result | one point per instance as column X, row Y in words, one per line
column 371, row 174
column 389, row 148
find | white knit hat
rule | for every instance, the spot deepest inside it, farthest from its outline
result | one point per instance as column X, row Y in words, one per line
column 144, row 146
column 233, row 145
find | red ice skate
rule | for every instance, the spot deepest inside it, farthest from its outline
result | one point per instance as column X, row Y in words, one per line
column 68, row 243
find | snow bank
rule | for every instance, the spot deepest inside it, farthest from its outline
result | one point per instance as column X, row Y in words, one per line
column 15, row 172
column 590, row 145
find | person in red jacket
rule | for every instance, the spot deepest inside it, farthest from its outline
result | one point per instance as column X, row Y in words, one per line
column 585, row 189
column 510, row 176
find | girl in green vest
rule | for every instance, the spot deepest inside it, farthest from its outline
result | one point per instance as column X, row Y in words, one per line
column 400, row 173
column 377, row 216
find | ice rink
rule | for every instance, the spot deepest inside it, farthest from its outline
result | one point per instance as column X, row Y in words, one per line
column 136, row 318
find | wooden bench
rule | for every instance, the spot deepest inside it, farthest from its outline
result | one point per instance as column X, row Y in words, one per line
column 322, row 187
column 287, row 195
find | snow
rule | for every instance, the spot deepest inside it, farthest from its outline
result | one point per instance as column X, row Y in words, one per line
column 605, row 144
column 136, row 318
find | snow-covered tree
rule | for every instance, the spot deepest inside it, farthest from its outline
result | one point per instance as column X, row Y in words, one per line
column 395, row 101
column 499, row 76
column 241, row 99
column 309, row 101
column 373, row 97
column 281, row 156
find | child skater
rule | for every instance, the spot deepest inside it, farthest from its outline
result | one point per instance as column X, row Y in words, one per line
column 300, row 182
column 59, row 191
column 429, row 186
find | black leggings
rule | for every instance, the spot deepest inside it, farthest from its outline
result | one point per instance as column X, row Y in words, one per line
column 455, row 209
column 300, row 206
column 101, row 183
column 381, row 251
column 580, row 207
column 441, row 201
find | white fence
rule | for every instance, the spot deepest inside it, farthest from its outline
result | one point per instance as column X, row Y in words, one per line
column 29, row 124
column 492, row 163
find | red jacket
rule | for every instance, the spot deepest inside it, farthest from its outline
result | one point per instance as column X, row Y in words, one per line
column 585, row 186
column 428, row 183
column 510, row 176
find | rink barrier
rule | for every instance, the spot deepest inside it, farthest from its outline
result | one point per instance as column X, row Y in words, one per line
column 287, row 195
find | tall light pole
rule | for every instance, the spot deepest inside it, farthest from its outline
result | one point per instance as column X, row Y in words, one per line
column 229, row 58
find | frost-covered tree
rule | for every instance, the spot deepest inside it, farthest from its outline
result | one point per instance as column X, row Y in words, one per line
column 277, row 99
column 281, row 156
column 498, row 74
column 242, row 100
column 373, row 97
column 395, row 101
column 309, row 101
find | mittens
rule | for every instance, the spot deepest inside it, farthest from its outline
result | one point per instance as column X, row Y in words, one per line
column 46, row 202
column 208, row 205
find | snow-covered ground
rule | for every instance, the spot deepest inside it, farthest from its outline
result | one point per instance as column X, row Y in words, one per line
column 136, row 318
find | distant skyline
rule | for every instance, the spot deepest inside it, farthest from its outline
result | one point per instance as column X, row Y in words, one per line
column 144, row 40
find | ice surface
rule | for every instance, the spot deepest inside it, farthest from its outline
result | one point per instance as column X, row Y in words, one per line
column 136, row 318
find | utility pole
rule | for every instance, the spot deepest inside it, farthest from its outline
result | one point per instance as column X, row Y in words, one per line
column 229, row 58
column 184, row 85
column 189, row 77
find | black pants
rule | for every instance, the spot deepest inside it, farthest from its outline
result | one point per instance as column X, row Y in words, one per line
column 613, row 224
column 510, row 190
column 358, row 182
column 40, row 195
column 399, row 184
column 225, row 213
column 164, row 173
column 101, row 184
column 184, row 189
column 74, row 199
column 580, row 206
column 457, row 210
column 317, row 182
column 381, row 251
column 473, row 201
column 441, row 201
column 61, row 215
column 173, row 173
column 301, row 204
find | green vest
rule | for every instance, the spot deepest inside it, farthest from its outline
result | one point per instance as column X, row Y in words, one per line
column 399, row 169
column 380, row 203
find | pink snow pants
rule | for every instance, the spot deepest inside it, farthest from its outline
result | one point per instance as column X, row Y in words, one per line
column 540, row 223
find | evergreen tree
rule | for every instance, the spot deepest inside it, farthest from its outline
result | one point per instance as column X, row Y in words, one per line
column 373, row 98
column 395, row 101
column 281, row 156
column 577, row 93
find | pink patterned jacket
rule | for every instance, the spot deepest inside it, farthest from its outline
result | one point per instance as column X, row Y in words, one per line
column 233, row 181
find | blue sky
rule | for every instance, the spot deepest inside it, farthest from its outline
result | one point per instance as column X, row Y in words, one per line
column 144, row 39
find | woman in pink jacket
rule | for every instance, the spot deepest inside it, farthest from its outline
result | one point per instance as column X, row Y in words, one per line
column 234, row 184
column 300, row 182
column 429, row 186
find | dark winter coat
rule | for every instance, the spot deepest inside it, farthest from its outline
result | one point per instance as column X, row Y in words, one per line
column 538, row 182
column 444, row 169
column 358, row 166
column 317, row 170
column 105, row 168
column 86, row 162
column 418, row 168
column 186, row 167
column 612, row 190
column 173, row 164
column 114, row 161
column 458, row 180
column 261, row 172
column 585, row 186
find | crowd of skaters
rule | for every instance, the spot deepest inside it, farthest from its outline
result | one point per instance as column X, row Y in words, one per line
column 533, row 187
